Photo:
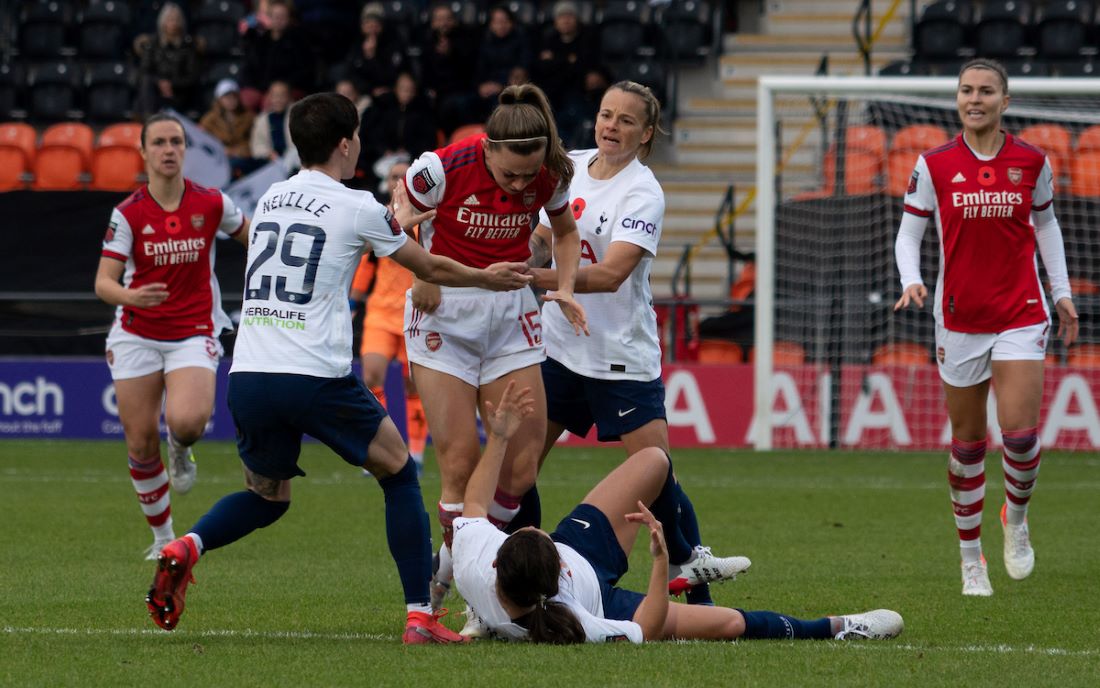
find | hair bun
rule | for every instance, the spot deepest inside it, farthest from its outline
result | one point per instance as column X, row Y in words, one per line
column 508, row 97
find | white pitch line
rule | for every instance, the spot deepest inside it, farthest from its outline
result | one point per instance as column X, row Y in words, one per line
column 1000, row 649
column 210, row 633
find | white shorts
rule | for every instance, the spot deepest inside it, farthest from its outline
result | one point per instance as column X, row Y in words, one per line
column 476, row 335
column 129, row 355
column 966, row 359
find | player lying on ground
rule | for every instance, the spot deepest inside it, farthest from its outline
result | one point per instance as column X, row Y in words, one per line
column 561, row 588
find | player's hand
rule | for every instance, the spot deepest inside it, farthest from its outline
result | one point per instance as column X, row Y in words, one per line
column 507, row 276
column 149, row 295
column 573, row 311
column 1068, row 325
column 915, row 293
column 504, row 418
column 426, row 296
column 405, row 211
column 657, row 546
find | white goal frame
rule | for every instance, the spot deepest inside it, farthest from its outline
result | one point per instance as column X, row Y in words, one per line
column 767, row 89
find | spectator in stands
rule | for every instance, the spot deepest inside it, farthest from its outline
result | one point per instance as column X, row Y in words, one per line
column 566, row 54
column 373, row 61
column 230, row 122
column 504, row 47
column 271, row 128
column 279, row 53
column 397, row 122
column 258, row 19
column 348, row 89
column 448, row 56
column 168, row 64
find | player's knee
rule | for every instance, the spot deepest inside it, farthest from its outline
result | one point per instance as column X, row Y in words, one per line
column 188, row 428
column 733, row 625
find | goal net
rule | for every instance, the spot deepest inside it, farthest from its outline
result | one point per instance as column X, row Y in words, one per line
column 834, row 365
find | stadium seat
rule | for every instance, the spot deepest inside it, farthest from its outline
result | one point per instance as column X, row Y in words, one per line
column 215, row 24
column 903, row 68
column 53, row 92
column 720, row 351
column 1001, row 27
column 117, row 168
column 1062, row 27
column 1056, row 141
column 1083, row 286
column 109, row 91
column 1089, row 139
column 942, row 28
column 403, row 21
column 525, row 11
column 17, row 153
column 1084, row 174
column 58, row 168
column 74, row 135
column 784, row 354
column 215, row 72
column 901, row 353
column 121, row 134
column 1084, row 356
column 622, row 28
column 909, row 142
column 104, row 26
column 466, row 130
column 1081, row 67
column 1025, row 66
column 11, row 92
column 43, row 28
column 646, row 72
column 863, row 162
column 685, row 28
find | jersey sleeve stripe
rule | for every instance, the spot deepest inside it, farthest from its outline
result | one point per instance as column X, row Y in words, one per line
column 559, row 211
column 416, row 203
column 917, row 211
column 455, row 164
column 1040, row 208
column 116, row 256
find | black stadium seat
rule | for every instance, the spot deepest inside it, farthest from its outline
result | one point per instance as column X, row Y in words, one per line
column 43, row 28
column 11, row 92
column 109, row 92
column 53, row 88
column 1062, row 27
column 686, row 29
column 213, row 74
column 216, row 25
column 1001, row 27
column 403, row 19
column 622, row 27
column 525, row 11
column 103, row 28
column 646, row 72
column 941, row 31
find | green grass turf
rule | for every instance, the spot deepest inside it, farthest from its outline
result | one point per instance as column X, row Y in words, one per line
column 315, row 600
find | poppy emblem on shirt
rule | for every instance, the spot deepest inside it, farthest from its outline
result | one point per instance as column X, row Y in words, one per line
column 987, row 176
column 433, row 340
column 528, row 198
column 913, row 182
column 1015, row 175
column 198, row 220
column 172, row 224
column 423, row 182
column 578, row 208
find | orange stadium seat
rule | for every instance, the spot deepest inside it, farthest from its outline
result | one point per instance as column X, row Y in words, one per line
column 1084, row 356
column 17, row 152
column 1056, row 142
column 900, row 353
column 909, row 142
column 866, row 149
column 784, row 353
column 58, row 168
column 1084, row 174
column 466, row 130
column 116, row 161
column 1089, row 139
column 73, row 135
column 1083, row 285
column 720, row 351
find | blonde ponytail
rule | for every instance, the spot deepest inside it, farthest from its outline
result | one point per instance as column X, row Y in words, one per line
column 524, row 123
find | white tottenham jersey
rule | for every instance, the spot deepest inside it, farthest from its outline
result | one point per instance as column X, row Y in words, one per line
column 623, row 344
column 304, row 244
column 474, row 550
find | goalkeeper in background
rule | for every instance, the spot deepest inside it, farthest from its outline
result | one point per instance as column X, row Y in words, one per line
column 992, row 197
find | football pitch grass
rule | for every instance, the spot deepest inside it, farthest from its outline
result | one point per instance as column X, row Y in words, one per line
column 314, row 600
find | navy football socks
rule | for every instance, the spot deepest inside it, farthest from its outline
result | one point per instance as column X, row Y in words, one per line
column 666, row 507
column 408, row 533
column 772, row 626
column 530, row 512
column 236, row 515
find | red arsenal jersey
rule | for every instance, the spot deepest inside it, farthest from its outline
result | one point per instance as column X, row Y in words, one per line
column 988, row 279
column 176, row 248
column 477, row 223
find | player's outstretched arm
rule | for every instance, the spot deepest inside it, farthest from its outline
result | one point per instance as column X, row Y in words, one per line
column 653, row 611
column 501, row 422
column 450, row 273
column 606, row 276
column 567, row 255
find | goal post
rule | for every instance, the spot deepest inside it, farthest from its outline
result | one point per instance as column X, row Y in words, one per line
column 827, row 207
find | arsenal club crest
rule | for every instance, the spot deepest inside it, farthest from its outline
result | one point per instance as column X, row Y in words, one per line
column 528, row 198
column 433, row 340
column 1015, row 175
column 198, row 220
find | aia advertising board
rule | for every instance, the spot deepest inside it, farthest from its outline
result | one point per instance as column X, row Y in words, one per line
column 895, row 407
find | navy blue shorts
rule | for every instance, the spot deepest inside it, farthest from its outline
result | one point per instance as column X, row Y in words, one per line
column 273, row 410
column 587, row 530
column 616, row 407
